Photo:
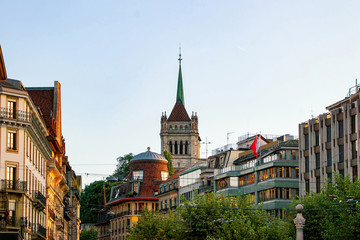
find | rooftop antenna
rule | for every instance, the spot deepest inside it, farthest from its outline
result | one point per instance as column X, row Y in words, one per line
column 179, row 53
column 227, row 137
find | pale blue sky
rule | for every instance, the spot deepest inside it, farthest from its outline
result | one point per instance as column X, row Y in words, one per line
column 248, row 66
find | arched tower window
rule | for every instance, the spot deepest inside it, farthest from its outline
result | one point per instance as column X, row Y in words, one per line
column 186, row 147
column 176, row 148
column 170, row 147
column 181, row 147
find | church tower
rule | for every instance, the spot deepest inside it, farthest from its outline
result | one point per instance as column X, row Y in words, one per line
column 179, row 133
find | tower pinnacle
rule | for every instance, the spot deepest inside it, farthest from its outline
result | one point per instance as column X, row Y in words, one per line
column 180, row 90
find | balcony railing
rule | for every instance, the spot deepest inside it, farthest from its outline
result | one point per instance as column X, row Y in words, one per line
column 15, row 185
column 39, row 199
column 138, row 212
column 124, row 213
column 15, row 114
column 10, row 221
column 38, row 229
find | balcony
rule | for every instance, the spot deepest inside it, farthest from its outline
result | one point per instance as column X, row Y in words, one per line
column 10, row 222
column 206, row 188
column 14, row 115
column 59, row 224
column 51, row 214
column 124, row 213
column 39, row 200
column 15, row 186
column 138, row 212
column 38, row 232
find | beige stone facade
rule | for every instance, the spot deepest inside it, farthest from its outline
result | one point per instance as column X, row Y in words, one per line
column 329, row 143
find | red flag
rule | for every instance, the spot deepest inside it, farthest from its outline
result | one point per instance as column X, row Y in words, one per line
column 255, row 146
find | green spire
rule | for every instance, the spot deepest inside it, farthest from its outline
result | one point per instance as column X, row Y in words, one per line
column 180, row 89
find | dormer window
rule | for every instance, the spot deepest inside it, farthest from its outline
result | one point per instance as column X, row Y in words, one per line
column 164, row 176
column 138, row 175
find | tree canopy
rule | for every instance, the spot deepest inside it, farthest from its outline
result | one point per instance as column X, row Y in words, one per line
column 334, row 213
column 212, row 217
column 123, row 167
column 92, row 200
column 90, row 234
column 168, row 157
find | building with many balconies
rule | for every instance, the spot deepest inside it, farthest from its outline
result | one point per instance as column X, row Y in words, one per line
column 24, row 152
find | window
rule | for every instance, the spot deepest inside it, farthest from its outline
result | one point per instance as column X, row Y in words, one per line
column 306, row 164
column 12, row 209
column 170, row 147
column 317, row 157
column 307, row 141
column 353, row 124
column 12, row 109
column 181, row 147
column 11, row 140
column 329, row 176
column 10, row 176
column 341, row 153
column 329, row 157
column 138, row 175
column 354, row 149
column 317, row 184
column 186, row 147
column 176, row 148
column 341, row 129
column 307, row 186
column 328, row 133
column 355, row 173
column 164, row 175
column 317, row 138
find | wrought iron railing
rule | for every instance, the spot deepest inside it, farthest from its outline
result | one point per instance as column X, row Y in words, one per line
column 9, row 113
column 39, row 196
column 10, row 221
column 39, row 229
column 16, row 185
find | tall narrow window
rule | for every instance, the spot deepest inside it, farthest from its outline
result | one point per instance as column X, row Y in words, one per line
column 10, row 177
column 11, row 140
column 341, row 129
column 181, row 147
column 176, row 148
column 329, row 157
column 317, row 138
column 317, row 184
column 355, row 173
column 186, row 147
column 307, row 186
column 306, row 164
column 307, row 141
column 328, row 133
column 171, row 147
column 317, row 157
column 341, row 153
column 353, row 124
column 12, row 109
column 354, row 149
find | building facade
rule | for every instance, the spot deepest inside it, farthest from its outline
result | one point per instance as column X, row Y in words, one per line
column 329, row 144
column 271, row 179
column 24, row 153
column 179, row 133
column 32, row 162
column 128, row 200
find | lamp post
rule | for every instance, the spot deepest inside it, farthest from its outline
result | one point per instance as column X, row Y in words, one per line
column 299, row 222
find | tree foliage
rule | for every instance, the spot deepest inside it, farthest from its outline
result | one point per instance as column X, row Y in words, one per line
column 168, row 157
column 123, row 167
column 330, row 214
column 90, row 234
column 212, row 217
column 92, row 200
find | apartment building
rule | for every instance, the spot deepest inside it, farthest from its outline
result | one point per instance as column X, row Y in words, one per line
column 329, row 143
column 24, row 153
column 271, row 179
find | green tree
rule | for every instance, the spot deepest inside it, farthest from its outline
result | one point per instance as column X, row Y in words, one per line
column 330, row 214
column 123, row 167
column 212, row 217
column 168, row 157
column 90, row 234
column 92, row 200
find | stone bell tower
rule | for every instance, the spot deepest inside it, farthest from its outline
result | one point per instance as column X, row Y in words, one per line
column 179, row 134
